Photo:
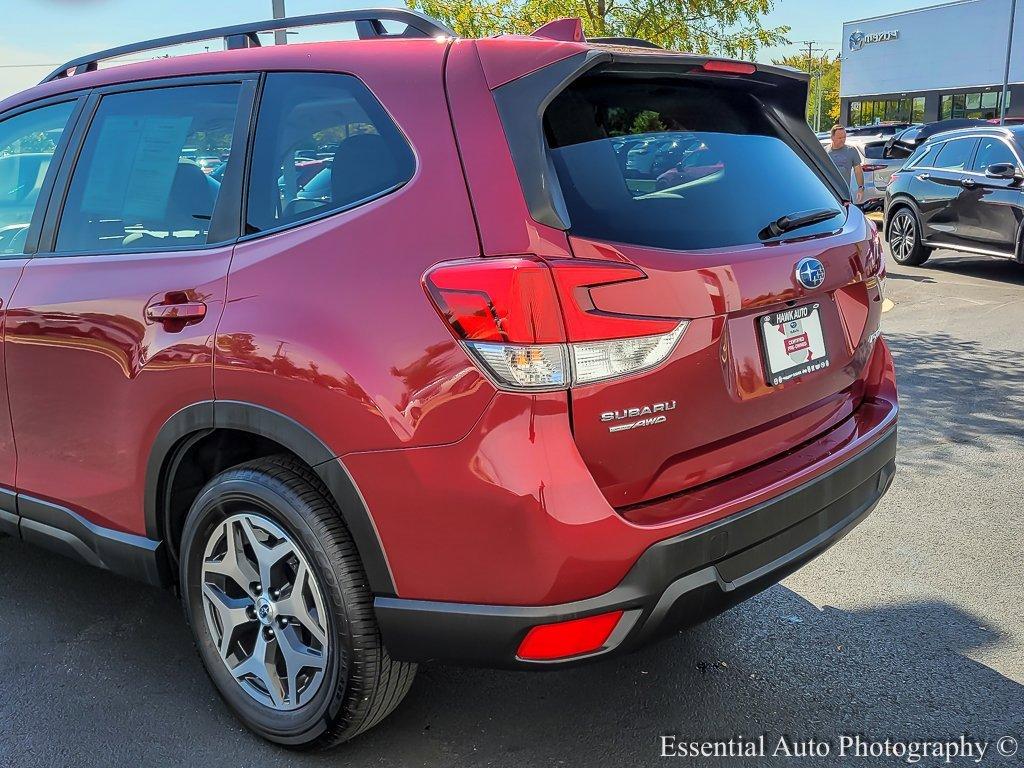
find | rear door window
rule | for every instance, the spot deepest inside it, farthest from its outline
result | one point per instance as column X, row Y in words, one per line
column 138, row 184
column 27, row 144
column 955, row 155
column 323, row 144
column 676, row 165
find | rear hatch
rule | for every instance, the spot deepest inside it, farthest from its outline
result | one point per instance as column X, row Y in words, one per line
column 766, row 363
column 878, row 165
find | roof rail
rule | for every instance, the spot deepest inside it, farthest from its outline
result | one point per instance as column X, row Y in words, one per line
column 368, row 21
column 635, row 42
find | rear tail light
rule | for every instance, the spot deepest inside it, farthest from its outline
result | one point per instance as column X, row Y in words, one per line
column 568, row 638
column 533, row 326
column 600, row 360
column 869, row 168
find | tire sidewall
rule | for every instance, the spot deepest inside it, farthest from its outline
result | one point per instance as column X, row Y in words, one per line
column 278, row 505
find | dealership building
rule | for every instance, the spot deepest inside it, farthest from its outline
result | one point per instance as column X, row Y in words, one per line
column 932, row 63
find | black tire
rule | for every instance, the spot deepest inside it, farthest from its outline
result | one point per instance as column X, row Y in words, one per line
column 905, row 238
column 360, row 683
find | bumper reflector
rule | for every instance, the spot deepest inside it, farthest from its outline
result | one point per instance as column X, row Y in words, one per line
column 568, row 638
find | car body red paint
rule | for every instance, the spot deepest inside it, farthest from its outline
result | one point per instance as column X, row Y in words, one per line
column 475, row 495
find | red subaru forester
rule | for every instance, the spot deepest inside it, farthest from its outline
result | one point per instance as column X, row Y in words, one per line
column 516, row 351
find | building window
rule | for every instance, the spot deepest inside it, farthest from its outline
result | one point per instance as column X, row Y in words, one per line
column 979, row 105
column 917, row 110
column 903, row 110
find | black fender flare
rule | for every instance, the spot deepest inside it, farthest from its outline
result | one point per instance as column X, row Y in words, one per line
column 195, row 421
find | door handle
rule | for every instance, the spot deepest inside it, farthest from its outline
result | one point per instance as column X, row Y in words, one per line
column 923, row 176
column 967, row 183
column 176, row 314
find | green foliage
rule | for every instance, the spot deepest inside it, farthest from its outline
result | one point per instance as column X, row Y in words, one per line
column 41, row 141
column 647, row 122
column 721, row 27
column 827, row 70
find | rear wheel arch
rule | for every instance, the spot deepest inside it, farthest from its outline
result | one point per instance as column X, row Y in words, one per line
column 897, row 203
column 206, row 438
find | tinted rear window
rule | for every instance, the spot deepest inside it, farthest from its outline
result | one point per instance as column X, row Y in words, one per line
column 874, row 150
column 676, row 165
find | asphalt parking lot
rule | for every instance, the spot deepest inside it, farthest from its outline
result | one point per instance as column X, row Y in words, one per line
column 912, row 628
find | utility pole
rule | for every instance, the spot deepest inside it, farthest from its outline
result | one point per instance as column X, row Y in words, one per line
column 819, row 112
column 1006, row 72
column 280, row 35
column 811, row 50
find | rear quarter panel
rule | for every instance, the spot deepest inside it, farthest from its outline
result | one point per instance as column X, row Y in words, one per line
column 328, row 323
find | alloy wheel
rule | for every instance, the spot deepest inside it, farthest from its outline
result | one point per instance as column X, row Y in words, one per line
column 264, row 611
column 903, row 235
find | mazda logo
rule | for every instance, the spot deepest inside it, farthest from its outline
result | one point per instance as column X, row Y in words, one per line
column 810, row 272
column 856, row 41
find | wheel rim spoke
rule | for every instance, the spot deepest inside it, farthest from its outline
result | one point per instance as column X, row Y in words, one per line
column 294, row 606
column 234, row 564
column 232, row 614
column 264, row 611
column 297, row 657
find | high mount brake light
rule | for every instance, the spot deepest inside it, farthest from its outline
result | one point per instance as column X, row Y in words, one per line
column 729, row 67
column 532, row 325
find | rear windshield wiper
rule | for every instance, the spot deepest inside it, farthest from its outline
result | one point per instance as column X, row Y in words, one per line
column 797, row 220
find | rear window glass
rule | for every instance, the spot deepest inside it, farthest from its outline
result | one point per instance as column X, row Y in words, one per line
column 323, row 144
column 875, row 150
column 676, row 165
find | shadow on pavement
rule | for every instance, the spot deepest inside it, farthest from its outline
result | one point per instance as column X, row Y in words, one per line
column 105, row 674
column 997, row 269
column 955, row 391
column 912, row 278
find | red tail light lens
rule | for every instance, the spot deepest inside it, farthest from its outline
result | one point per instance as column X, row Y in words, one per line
column 872, row 167
column 729, row 67
column 533, row 325
column 504, row 300
column 568, row 638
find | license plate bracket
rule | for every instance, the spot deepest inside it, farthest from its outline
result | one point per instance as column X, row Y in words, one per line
column 792, row 343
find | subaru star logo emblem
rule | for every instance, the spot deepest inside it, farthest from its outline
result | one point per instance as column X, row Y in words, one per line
column 856, row 41
column 810, row 272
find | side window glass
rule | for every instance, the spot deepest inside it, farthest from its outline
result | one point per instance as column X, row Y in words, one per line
column 323, row 144
column 149, row 173
column 923, row 156
column 27, row 144
column 955, row 155
column 990, row 152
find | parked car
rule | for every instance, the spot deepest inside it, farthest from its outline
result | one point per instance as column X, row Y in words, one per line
column 870, row 144
column 960, row 190
column 489, row 400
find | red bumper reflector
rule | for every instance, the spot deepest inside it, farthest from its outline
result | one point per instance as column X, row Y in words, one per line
column 568, row 638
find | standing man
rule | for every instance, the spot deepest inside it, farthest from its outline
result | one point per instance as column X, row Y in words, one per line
column 846, row 159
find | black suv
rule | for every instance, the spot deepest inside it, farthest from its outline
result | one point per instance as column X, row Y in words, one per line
column 959, row 190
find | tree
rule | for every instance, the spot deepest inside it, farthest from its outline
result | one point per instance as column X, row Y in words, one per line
column 827, row 70
column 722, row 27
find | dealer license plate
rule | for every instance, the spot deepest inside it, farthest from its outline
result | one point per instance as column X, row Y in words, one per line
column 793, row 343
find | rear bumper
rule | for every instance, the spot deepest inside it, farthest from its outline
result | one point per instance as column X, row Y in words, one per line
column 676, row 582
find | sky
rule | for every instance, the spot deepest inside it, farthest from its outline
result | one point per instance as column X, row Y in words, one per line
column 43, row 34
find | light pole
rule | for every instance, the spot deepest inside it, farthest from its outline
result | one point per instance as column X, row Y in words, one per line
column 280, row 35
column 1006, row 72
